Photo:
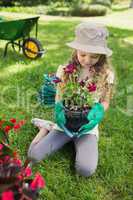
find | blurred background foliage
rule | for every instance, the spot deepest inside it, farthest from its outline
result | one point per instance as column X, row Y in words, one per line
column 67, row 7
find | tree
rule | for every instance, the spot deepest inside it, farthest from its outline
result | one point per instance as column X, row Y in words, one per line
column 131, row 4
column 6, row 2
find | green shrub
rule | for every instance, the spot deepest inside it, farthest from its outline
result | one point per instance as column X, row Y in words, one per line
column 63, row 11
column 102, row 2
column 6, row 3
column 89, row 10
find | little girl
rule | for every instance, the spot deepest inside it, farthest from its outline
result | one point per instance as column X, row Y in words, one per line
column 90, row 56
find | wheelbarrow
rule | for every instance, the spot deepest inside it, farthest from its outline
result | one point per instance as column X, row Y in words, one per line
column 17, row 33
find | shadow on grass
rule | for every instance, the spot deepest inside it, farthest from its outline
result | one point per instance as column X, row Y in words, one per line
column 11, row 58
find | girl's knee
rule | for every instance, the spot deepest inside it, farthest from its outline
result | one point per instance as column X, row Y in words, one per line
column 85, row 170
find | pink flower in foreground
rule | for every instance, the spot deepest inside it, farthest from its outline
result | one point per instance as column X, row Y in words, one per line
column 1, row 146
column 17, row 162
column 22, row 122
column 28, row 171
column 69, row 69
column 7, row 129
column 16, row 127
column 91, row 87
column 38, row 182
column 20, row 177
column 1, row 161
column 13, row 120
column 8, row 195
column 6, row 158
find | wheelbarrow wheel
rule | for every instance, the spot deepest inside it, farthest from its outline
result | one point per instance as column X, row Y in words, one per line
column 32, row 48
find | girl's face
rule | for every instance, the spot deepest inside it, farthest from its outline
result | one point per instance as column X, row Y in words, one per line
column 87, row 60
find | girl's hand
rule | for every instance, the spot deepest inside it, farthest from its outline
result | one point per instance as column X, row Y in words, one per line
column 59, row 114
column 95, row 116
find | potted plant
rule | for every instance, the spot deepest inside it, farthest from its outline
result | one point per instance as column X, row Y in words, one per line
column 78, row 97
column 16, row 180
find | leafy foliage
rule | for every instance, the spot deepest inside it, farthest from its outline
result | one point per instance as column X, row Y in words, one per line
column 15, row 183
column 102, row 2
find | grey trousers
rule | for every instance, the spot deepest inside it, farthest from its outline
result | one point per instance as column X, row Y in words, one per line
column 86, row 150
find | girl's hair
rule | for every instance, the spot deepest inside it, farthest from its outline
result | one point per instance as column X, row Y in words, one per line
column 98, row 67
column 101, row 69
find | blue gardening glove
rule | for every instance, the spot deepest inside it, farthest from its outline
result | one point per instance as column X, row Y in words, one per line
column 60, row 114
column 95, row 116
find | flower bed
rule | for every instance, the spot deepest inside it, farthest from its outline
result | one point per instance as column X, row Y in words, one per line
column 16, row 180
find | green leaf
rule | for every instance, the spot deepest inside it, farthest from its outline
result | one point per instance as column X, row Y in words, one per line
column 6, row 151
column 7, row 123
column 3, row 136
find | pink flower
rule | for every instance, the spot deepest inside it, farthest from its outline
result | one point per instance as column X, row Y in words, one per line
column 20, row 177
column 82, row 83
column 1, row 161
column 56, row 80
column 69, row 69
column 6, row 158
column 38, row 182
column 7, row 129
column 1, row 146
column 91, row 87
column 16, row 127
column 17, row 162
column 8, row 195
column 28, row 171
column 13, row 120
column 22, row 122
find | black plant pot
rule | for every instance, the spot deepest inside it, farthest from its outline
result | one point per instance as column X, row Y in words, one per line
column 75, row 119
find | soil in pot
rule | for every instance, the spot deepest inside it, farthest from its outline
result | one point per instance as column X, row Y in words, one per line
column 75, row 119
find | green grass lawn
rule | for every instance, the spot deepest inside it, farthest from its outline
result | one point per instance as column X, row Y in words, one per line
column 20, row 79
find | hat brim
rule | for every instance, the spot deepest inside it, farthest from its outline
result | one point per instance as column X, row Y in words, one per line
column 89, row 48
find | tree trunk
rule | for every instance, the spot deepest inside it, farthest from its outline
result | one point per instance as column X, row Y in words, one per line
column 131, row 4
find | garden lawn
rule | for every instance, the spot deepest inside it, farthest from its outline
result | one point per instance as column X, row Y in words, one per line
column 20, row 79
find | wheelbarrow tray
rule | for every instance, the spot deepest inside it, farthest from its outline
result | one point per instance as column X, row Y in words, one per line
column 16, row 29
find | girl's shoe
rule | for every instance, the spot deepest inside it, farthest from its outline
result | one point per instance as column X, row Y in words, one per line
column 40, row 123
